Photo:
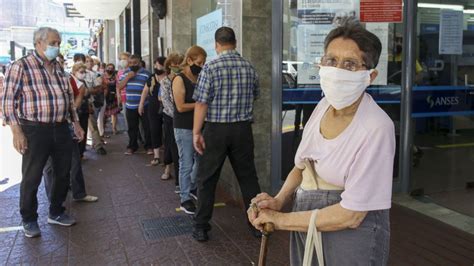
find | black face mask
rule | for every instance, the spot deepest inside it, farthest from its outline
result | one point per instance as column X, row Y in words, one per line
column 159, row 71
column 195, row 69
column 135, row 68
column 109, row 71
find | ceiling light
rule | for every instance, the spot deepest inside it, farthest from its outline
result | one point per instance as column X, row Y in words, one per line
column 468, row 11
column 441, row 6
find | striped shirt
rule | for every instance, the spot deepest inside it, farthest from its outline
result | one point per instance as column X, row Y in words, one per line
column 229, row 86
column 31, row 93
column 135, row 87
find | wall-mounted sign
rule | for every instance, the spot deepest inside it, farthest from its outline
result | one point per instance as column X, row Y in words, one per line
column 206, row 27
column 451, row 32
column 381, row 11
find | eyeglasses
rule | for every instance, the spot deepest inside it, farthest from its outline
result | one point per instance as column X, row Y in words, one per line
column 347, row 64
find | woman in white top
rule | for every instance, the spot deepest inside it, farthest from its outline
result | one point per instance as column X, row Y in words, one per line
column 349, row 142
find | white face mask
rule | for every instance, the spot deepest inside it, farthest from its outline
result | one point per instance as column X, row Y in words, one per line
column 123, row 63
column 343, row 87
column 80, row 76
column 95, row 68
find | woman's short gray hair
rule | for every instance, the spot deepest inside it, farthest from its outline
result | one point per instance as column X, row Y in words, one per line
column 368, row 43
column 41, row 34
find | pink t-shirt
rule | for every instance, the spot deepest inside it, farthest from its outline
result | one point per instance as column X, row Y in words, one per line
column 123, row 93
column 360, row 159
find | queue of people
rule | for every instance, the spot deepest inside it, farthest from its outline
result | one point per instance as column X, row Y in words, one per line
column 202, row 113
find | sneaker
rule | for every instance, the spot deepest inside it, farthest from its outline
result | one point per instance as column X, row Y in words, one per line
column 166, row 176
column 200, row 235
column 193, row 194
column 149, row 152
column 188, row 207
column 31, row 229
column 177, row 189
column 88, row 198
column 129, row 152
column 63, row 219
column 101, row 151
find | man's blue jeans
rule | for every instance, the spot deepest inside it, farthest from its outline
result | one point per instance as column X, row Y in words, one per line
column 188, row 162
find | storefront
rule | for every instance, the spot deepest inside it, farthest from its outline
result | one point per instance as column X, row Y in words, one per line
column 428, row 98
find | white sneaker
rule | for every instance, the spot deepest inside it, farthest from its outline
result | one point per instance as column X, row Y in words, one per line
column 88, row 198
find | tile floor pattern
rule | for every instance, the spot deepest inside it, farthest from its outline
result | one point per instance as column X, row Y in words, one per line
column 109, row 232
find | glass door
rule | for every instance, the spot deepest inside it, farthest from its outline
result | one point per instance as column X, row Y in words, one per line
column 443, row 106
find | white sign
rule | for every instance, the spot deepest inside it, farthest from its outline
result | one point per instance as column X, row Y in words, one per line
column 206, row 27
column 381, row 31
column 451, row 32
column 316, row 18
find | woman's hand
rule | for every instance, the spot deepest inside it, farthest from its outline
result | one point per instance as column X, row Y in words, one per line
column 267, row 216
column 265, row 201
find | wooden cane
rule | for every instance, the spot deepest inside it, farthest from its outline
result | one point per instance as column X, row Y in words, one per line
column 268, row 228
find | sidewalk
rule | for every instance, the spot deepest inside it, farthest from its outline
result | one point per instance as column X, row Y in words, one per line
column 111, row 231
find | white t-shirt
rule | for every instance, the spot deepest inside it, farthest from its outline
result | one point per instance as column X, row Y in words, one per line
column 360, row 159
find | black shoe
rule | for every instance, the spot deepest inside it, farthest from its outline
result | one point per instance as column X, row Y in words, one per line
column 200, row 235
column 31, row 229
column 101, row 151
column 188, row 207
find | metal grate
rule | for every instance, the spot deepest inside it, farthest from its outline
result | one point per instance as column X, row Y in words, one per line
column 159, row 228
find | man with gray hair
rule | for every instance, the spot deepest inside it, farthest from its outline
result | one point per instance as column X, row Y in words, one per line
column 37, row 102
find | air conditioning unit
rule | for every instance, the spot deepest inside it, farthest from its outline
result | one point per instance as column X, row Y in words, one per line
column 159, row 8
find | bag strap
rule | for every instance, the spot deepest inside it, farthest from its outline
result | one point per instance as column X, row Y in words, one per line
column 310, row 166
column 313, row 240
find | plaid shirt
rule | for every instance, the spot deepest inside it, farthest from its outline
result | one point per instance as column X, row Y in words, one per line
column 229, row 86
column 31, row 93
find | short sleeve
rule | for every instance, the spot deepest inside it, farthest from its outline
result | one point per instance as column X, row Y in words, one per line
column 204, row 91
column 369, row 182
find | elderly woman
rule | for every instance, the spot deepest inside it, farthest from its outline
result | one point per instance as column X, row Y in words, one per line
column 343, row 166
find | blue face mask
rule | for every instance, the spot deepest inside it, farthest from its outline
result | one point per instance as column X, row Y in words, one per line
column 51, row 52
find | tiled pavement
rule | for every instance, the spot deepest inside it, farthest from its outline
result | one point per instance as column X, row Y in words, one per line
column 109, row 232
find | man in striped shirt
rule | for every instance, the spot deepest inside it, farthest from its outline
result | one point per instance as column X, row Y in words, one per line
column 37, row 102
column 134, row 80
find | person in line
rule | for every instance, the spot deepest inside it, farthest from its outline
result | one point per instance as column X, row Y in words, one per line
column 134, row 81
column 37, row 100
column 112, row 108
column 95, row 89
column 224, row 95
column 123, row 66
column 348, row 145
column 155, row 110
column 84, row 110
column 172, row 64
column 183, row 90
column 77, row 184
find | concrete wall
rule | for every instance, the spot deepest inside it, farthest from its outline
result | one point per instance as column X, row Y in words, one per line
column 256, row 42
column 178, row 25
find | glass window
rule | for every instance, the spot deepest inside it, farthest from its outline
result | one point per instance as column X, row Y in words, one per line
column 306, row 24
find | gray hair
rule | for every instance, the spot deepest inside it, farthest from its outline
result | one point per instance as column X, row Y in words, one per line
column 368, row 43
column 41, row 34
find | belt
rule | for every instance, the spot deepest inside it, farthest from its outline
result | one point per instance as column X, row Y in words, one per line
column 24, row 122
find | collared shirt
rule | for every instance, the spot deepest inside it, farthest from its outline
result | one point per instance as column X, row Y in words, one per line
column 229, row 86
column 31, row 93
column 135, row 87
column 166, row 95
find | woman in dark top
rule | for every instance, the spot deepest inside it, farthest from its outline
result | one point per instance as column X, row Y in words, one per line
column 183, row 90
column 155, row 118
column 112, row 108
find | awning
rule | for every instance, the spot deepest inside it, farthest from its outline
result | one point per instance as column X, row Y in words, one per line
column 100, row 9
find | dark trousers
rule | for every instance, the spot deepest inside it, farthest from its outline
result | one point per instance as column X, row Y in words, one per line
column 225, row 139
column 84, row 121
column 171, row 149
column 45, row 141
column 155, row 120
column 77, row 183
column 133, row 121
